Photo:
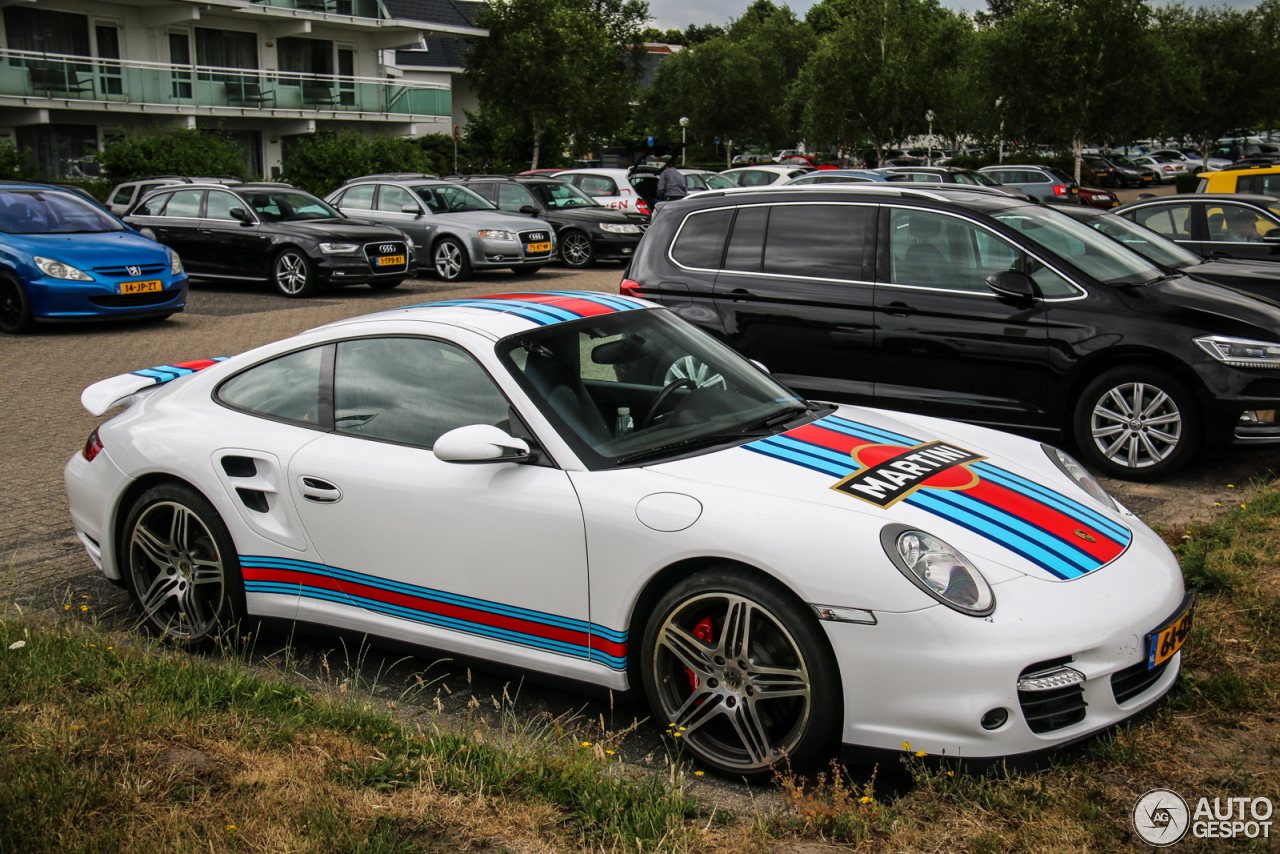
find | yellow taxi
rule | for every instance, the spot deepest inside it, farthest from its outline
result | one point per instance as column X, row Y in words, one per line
column 1260, row 180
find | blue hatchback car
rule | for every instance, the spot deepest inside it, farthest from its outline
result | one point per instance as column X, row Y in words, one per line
column 64, row 258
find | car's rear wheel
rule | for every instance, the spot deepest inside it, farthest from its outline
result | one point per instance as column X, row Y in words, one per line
column 15, row 307
column 576, row 249
column 739, row 671
column 291, row 273
column 1137, row 423
column 180, row 566
column 451, row 261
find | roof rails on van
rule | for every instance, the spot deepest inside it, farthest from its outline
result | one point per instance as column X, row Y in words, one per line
column 393, row 176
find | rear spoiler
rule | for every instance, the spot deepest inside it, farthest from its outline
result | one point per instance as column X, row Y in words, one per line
column 105, row 394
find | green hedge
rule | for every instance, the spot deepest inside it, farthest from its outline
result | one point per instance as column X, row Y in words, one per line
column 1186, row 183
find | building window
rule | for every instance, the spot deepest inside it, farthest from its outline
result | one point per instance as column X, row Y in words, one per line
column 41, row 31
column 226, row 49
column 60, row 150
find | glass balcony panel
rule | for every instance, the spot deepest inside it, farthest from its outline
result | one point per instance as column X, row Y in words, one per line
column 354, row 8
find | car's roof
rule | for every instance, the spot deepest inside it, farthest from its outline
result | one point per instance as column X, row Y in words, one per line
column 1246, row 198
column 781, row 169
column 1015, row 166
column 391, row 177
column 976, row 197
column 1264, row 168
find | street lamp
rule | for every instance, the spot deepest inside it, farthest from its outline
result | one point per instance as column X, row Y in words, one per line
column 1000, row 101
column 929, row 118
column 684, row 124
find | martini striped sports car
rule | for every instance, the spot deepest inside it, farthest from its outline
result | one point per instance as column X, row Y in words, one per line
column 584, row 485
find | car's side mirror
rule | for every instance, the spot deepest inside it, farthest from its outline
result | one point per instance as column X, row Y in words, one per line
column 1272, row 236
column 412, row 209
column 480, row 443
column 1012, row 283
column 241, row 214
column 528, row 209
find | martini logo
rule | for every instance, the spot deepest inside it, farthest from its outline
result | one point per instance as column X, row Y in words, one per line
column 890, row 473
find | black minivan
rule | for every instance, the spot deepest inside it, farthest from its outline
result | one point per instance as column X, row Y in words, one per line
column 964, row 304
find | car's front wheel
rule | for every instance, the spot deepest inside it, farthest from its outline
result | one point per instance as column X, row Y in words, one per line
column 180, row 565
column 739, row 671
column 15, row 307
column 451, row 261
column 576, row 249
column 291, row 273
column 1137, row 423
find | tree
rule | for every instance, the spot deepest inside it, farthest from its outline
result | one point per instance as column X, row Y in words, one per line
column 322, row 161
column 694, row 34
column 174, row 151
column 566, row 66
column 876, row 67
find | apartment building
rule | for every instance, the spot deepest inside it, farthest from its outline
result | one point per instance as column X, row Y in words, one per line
column 74, row 73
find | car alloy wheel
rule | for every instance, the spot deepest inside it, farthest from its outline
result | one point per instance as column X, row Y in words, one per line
column 292, row 273
column 743, row 685
column 687, row 367
column 451, row 261
column 576, row 249
column 1137, row 423
column 181, row 566
column 15, row 308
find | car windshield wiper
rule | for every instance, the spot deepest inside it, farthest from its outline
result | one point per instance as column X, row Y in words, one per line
column 788, row 414
column 722, row 436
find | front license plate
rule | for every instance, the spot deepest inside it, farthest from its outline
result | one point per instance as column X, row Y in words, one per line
column 391, row 261
column 140, row 287
column 537, row 247
column 1169, row 638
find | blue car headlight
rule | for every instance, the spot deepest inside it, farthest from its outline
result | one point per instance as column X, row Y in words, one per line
column 58, row 270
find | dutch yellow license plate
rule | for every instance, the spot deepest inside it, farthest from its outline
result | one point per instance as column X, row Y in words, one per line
column 391, row 261
column 1169, row 638
column 141, row 287
column 537, row 247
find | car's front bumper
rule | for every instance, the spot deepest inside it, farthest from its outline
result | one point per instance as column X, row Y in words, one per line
column 1242, row 405
column 614, row 247
column 354, row 269
column 63, row 300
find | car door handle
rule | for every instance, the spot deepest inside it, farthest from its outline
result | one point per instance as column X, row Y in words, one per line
column 319, row 491
column 740, row 295
column 899, row 309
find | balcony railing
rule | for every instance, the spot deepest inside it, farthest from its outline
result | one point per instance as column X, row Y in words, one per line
column 91, row 80
column 354, row 8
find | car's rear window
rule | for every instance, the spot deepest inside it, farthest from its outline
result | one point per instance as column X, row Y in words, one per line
column 700, row 243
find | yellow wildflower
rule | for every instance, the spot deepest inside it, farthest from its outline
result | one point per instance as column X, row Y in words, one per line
column 698, row 773
column 921, row 753
column 906, row 745
column 865, row 799
column 586, row 744
column 84, row 607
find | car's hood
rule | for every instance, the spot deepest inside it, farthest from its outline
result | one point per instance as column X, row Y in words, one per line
column 87, row 251
column 1192, row 302
column 986, row 493
column 488, row 219
column 1237, row 268
column 600, row 214
column 337, row 229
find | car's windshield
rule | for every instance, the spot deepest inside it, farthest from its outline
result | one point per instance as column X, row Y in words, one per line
column 683, row 389
column 287, row 205
column 1099, row 256
column 52, row 212
column 1122, row 161
column 975, row 178
column 450, row 198
column 718, row 182
column 563, row 195
column 1144, row 241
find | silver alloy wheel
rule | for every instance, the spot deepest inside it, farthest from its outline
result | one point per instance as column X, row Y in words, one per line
column 448, row 259
column 178, row 575
column 687, row 367
column 576, row 249
column 291, row 273
column 1136, row 425
column 744, row 698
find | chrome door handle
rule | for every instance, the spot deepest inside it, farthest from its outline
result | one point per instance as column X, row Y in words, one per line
column 319, row 491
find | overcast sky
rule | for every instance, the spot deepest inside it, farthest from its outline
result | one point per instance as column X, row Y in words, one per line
column 678, row 14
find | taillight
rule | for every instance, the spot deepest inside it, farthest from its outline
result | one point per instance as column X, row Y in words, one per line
column 642, row 207
column 92, row 446
column 629, row 288
column 1060, row 190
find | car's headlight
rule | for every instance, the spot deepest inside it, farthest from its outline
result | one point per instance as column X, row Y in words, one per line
column 620, row 227
column 339, row 248
column 1241, row 352
column 58, row 270
column 939, row 570
column 496, row 234
column 175, row 264
column 1069, row 466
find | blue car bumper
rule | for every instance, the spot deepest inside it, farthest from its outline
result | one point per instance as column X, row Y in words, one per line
column 58, row 299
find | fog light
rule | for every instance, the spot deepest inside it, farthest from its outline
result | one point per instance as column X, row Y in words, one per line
column 626, row 250
column 1051, row 680
column 1259, row 416
column 995, row 718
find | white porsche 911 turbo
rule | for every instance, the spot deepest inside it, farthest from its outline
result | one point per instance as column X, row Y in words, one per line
column 584, row 485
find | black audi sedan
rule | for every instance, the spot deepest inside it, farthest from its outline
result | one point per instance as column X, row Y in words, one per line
column 586, row 230
column 970, row 306
column 273, row 233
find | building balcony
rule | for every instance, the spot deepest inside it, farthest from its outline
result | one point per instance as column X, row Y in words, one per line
column 41, row 80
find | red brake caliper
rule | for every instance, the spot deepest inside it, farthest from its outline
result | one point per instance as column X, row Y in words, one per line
column 704, row 633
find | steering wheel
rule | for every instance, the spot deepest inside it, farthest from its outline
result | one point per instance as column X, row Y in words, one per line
column 662, row 398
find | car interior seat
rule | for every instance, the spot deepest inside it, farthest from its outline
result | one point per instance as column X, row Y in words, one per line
column 1217, row 225
column 564, row 390
column 922, row 261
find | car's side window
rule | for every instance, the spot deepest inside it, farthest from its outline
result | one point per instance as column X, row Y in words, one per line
column 411, row 390
column 1262, row 185
column 746, row 246
column 512, row 197
column 755, row 179
column 220, row 204
column 392, row 198
column 123, row 195
column 1036, row 178
column 153, row 206
column 287, row 388
column 822, row 241
column 1173, row 221
column 359, row 198
column 185, row 203
column 932, row 250
column 700, row 243
column 1237, row 224
column 595, row 185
